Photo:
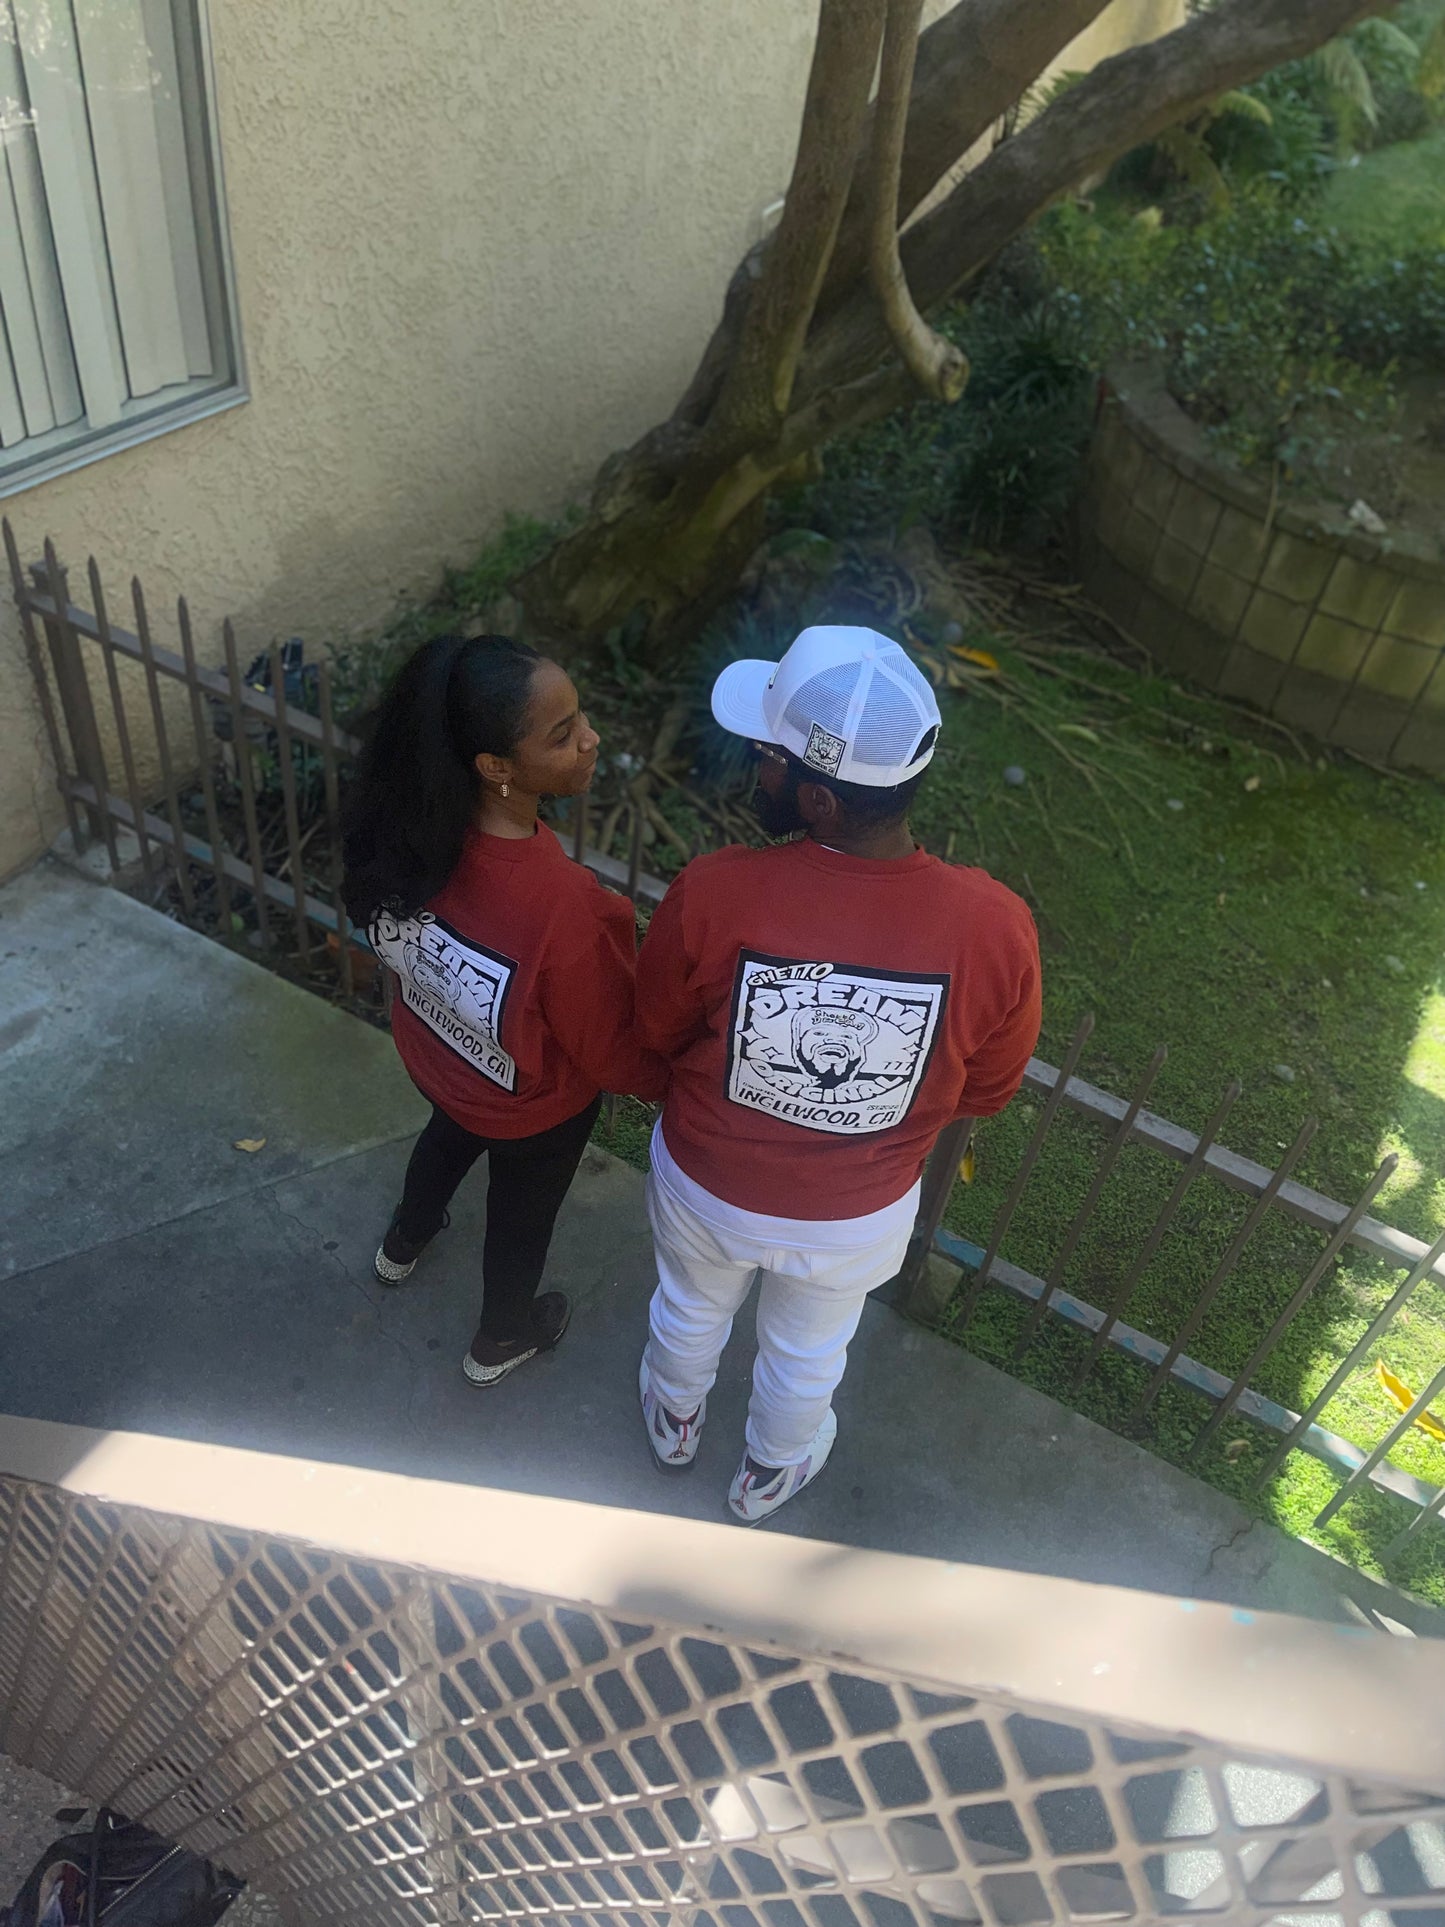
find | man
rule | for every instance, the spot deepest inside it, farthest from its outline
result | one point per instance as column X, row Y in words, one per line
column 828, row 1006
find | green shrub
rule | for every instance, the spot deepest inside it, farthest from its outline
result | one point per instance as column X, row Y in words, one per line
column 1002, row 465
column 1279, row 333
column 1292, row 151
column 1375, row 86
column 1026, row 419
column 1391, row 309
column 1274, row 332
column 1405, row 115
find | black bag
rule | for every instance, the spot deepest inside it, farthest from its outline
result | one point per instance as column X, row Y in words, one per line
column 119, row 1875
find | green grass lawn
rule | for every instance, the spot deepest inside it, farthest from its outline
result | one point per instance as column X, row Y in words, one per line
column 1395, row 196
column 1250, row 910
column 1297, row 924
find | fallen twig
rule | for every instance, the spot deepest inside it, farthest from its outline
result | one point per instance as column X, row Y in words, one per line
column 1253, row 715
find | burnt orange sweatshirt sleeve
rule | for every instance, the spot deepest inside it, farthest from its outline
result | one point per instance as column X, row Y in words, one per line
column 996, row 1066
column 671, row 1012
column 588, row 995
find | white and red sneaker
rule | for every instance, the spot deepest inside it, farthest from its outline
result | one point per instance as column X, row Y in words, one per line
column 674, row 1440
column 758, row 1490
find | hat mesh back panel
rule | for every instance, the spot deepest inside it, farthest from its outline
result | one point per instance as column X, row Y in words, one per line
column 892, row 722
column 824, row 699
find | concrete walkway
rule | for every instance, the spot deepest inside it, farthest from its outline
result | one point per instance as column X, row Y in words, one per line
column 153, row 1277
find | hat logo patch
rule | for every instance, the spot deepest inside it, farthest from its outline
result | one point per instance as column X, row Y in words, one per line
column 824, row 751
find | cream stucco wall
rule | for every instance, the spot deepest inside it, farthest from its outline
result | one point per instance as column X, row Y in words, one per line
column 1124, row 24
column 478, row 245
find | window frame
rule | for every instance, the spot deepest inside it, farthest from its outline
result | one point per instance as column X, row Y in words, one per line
column 60, row 451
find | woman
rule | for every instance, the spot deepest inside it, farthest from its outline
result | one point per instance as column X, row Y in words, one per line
column 514, row 965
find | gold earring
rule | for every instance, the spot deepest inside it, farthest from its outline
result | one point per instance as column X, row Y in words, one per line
column 504, row 789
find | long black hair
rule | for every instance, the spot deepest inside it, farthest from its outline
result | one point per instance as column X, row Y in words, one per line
column 417, row 787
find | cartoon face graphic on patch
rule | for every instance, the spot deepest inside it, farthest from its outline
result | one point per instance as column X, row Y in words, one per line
column 832, row 1047
column 429, row 974
column 452, row 984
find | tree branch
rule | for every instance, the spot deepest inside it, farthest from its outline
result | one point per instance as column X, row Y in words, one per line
column 1125, row 101
column 973, row 65
column 758, row 387
column 866, row 400
column 940, row 369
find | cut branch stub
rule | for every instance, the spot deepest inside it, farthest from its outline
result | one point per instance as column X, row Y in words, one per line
column 974, row 63
column 1126, row 100
column 939, row 368
column 756, row 393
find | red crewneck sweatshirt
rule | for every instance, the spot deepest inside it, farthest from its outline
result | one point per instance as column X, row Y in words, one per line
column 827, row 1015
column 514, row 1005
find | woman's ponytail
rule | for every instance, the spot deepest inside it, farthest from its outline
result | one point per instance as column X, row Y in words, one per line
column 416, row 788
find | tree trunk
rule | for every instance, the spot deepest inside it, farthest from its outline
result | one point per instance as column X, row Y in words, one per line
column 673, row 550
column 805, row 349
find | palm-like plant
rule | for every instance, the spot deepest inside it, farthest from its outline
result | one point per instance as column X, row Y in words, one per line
column 1343, row 73
column 1343, row 81
column 1186, row 147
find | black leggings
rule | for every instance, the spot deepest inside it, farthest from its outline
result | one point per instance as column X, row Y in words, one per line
column 529, row 1179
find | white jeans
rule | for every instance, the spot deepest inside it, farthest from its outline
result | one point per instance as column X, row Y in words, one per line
column 810, row 1304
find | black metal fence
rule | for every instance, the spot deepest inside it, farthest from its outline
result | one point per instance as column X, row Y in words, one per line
column 232, row 789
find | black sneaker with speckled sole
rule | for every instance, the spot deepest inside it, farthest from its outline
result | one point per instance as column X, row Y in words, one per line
column 490, row 1360
column 396, row 1258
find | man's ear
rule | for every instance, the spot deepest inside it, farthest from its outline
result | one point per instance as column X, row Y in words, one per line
column 818, row 806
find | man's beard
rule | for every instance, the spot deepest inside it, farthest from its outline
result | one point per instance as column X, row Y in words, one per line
column 778, row 815
column 828, row 1077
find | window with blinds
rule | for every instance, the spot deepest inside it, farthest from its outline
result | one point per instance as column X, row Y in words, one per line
column 116, row 319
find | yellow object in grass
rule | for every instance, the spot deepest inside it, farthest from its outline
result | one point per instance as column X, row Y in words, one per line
column 967, row 1165
column 1401, row 1394
column 979, row 656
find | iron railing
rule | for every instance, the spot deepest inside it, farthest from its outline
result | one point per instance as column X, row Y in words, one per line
column 389, row 1701
column 227, row 744
column 1406, row 1261
column 243, row 732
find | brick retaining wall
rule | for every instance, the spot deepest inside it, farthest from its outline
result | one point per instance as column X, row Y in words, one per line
column 1287, row 606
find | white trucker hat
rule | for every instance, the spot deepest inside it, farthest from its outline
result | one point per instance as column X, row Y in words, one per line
column 846, row 702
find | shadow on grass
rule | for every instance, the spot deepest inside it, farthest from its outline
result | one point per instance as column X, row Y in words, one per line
column 1272, row 919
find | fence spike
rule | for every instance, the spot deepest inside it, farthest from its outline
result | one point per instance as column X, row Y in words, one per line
column 1113, row 1152
column 246, row 777
column 1128, row 1284
column 1225, row 1267
column 1021, row 1177
column 1421, row 1270
column 163, row 747
column 634, row 856
column 291, row 814
column 1367, row 1465
column 42, row 685
column 1401, row 1539
column 122, row 725
column 205, row 761
column 76, row 701
column 332, row 781
column 937, row 1187
column 1297, row 1303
